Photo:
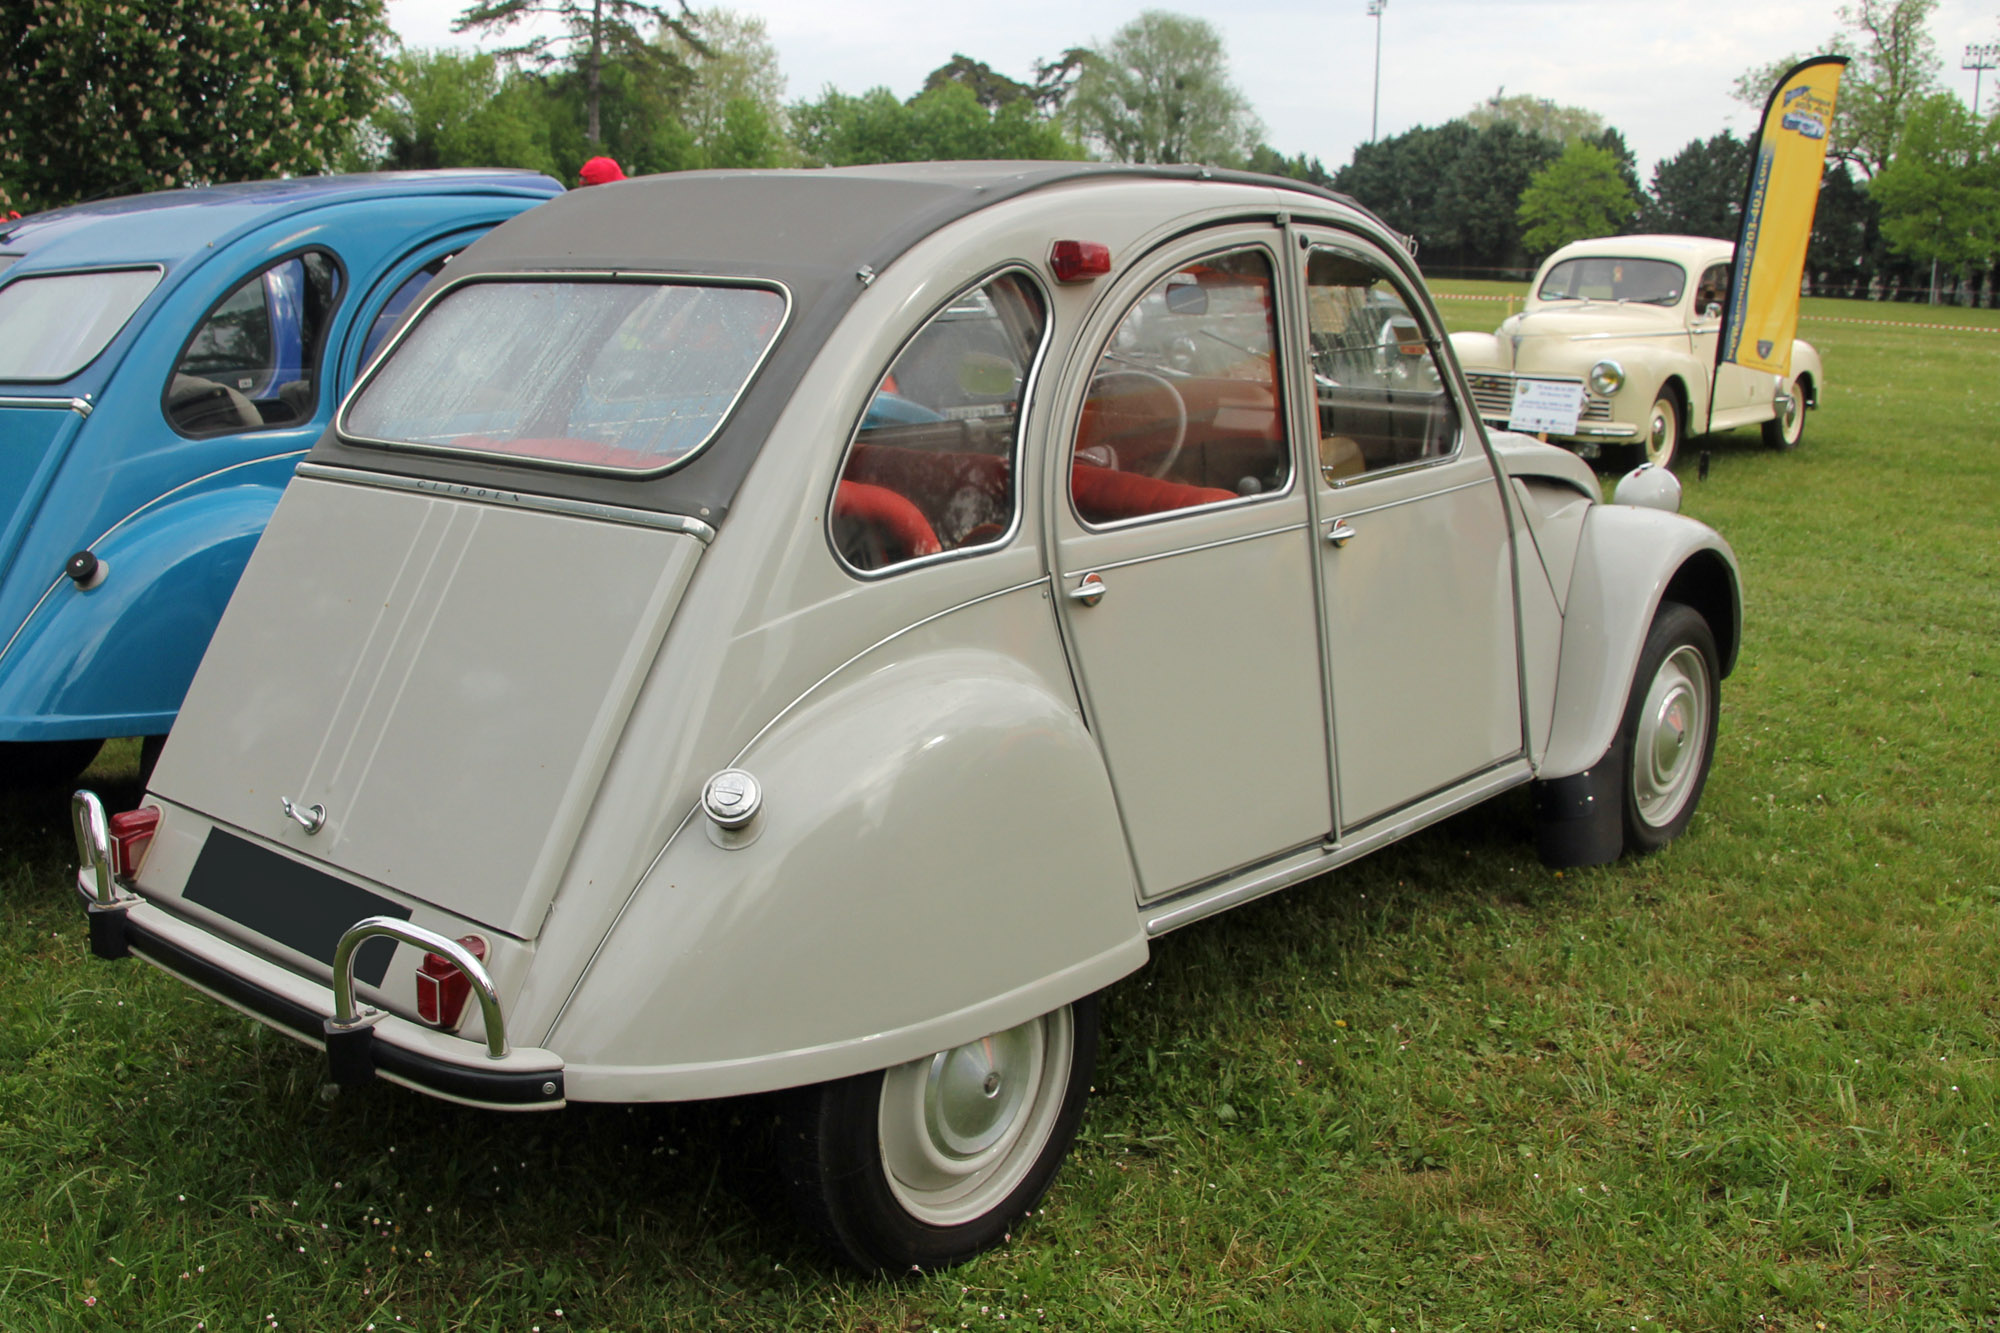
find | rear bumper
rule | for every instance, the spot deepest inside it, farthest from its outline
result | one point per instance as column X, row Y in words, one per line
column 377, row 1045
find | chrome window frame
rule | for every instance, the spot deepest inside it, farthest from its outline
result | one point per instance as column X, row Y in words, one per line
column 1278, row 343
column 1029, row 384
column 629, row 277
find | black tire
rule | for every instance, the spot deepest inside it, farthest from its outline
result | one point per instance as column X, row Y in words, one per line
column 1676, row 690
column 837, row 1154
column 31, row 765
column 1784, row 432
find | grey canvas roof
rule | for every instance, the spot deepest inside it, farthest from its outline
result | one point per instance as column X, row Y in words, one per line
column 816, row 231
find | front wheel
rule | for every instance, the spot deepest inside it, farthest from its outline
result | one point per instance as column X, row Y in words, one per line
column 930, row 1163
column 1663, row 432
column 1785, row 430
column 1669, row 730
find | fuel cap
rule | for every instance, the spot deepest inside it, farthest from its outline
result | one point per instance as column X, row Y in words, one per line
column 732, row 798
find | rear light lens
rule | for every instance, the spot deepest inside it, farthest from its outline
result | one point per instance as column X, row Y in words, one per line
column 442, row 989
column 1079, row 261
column 131, row 836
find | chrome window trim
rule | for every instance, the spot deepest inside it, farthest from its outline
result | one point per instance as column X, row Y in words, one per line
column 547, row 277
column 549, row 504
column 1029, row 384
column 80, row 406
column 1277, row 384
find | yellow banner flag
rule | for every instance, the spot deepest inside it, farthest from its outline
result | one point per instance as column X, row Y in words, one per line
column 1786, row 162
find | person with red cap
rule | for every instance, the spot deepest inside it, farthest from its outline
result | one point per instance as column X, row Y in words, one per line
column 600, row 171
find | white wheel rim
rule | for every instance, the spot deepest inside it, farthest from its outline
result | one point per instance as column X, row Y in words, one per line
column 960, row 1130
column 1672, row 737
column 1795, row 414
column 1660, row 434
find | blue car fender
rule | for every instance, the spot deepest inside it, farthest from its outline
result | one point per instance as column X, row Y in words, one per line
column 114, row 655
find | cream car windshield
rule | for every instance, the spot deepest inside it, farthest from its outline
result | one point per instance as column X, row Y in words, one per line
column 1611, row 278
column 613, row 376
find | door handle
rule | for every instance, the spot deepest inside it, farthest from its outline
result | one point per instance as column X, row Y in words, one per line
column 1089, row 590
column 1341, row 532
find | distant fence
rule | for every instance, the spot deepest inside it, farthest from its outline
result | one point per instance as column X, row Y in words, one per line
column 1981, row 295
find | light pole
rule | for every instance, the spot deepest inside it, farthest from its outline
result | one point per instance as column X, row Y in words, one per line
column 1375, row 8
column 1980, row 57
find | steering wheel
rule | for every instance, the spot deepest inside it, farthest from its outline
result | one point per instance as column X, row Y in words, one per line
column 1173, row 453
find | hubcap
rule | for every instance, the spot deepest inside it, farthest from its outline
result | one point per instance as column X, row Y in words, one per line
column 1660, row 438
column 961, row 1129
column 1673, row 734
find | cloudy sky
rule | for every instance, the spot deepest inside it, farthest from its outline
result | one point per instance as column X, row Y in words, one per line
column 1660, row 72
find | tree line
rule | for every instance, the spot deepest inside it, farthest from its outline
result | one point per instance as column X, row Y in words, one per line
column 114, row 98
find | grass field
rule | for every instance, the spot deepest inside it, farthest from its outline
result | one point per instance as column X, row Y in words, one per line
column 1748, row 1083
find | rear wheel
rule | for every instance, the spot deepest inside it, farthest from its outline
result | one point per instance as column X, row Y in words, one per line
column 927, row 1164
column 1788, row 427
column 1669, row 732
column 31, row 764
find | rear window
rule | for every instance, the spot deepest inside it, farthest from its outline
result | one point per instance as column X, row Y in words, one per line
column 52, row 327
column 618, row 376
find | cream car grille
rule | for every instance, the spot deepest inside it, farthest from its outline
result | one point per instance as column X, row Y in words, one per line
column 1495, row 396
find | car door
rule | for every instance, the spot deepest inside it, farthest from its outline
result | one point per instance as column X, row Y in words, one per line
column 1184, row 559
column 1414, row 542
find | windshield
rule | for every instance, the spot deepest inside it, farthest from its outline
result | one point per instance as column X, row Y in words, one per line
column 52, row 327
column 624, row 376
column 1609, row 278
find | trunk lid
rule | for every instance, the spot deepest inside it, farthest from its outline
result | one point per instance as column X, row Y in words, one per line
column 446, row 679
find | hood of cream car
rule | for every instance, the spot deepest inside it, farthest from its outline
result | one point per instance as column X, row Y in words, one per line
column 441, row 681
column 1569, row 337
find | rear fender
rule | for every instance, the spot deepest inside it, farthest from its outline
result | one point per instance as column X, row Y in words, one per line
column 1628, row 562
column 115, row 659
column 938, row 857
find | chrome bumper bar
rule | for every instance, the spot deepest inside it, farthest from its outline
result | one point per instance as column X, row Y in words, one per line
column 356, row 1051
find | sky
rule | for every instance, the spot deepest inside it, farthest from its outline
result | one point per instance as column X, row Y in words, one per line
column 1659, row 72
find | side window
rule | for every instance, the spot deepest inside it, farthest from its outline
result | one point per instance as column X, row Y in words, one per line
column 1382, row 401
column 399, row 301
column 1184, row 408
column 931, row 467
column 254, row 362
column 1713, row 291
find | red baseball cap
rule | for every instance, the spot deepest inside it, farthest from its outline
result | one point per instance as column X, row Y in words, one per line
column 600, row 171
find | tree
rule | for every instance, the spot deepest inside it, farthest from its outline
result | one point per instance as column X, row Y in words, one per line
column 1536, row 115
column 1894, row 63
column 111, row 97
column 1699, row 190
column 601, row 35
column 459, row 109
column 946, row 123
column 1579, row 195
column 1271, row 162
column 1940, row 196
column 1159, row 91
column 734, row 106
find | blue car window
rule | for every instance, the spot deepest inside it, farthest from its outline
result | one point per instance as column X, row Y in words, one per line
column 253, row 364
column 399, row 301
column 52, row 327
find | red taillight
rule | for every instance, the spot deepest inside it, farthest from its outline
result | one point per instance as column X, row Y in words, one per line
column 1079, row 261
column 131, row 834
column 442, row 989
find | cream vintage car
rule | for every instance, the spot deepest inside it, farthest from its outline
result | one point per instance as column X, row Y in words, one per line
column 813, row 630
column 1614, row 353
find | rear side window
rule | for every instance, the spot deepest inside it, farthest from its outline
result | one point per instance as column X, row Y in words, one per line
column 254, row 361
column 931, row 468
column 399, row 301
column 52, row 327
column 616, row 376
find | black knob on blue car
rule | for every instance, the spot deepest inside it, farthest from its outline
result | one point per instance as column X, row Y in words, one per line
column 82, row 567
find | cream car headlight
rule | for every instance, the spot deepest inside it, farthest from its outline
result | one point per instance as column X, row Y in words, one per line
column 1607, row 378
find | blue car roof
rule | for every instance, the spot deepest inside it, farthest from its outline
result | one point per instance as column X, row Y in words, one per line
column 170, row 225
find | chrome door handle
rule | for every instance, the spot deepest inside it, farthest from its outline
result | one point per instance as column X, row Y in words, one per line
column 1089, row 590
column 1341, row 532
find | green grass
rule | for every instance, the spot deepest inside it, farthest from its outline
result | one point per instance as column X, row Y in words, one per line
column 1748, row 1083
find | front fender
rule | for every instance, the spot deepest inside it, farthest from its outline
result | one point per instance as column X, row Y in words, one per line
column 116, row 659
column 1481, row 351
column 939, row 857
column 1628, row 561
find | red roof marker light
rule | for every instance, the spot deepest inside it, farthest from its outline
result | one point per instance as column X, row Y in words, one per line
column 1079, row 261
